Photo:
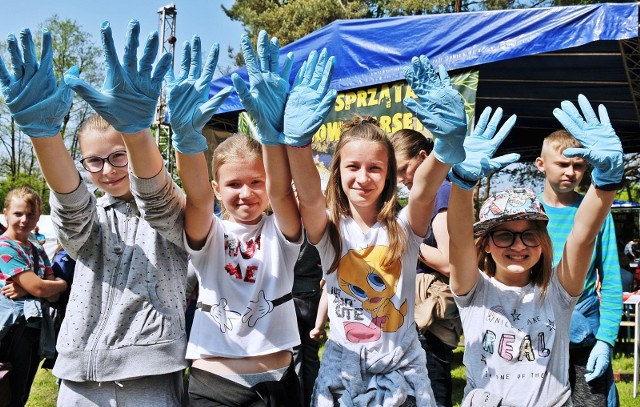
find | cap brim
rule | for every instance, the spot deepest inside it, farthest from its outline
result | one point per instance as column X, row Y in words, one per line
column 481, row 228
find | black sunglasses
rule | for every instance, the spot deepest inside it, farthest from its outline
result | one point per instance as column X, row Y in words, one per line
column 505, row 238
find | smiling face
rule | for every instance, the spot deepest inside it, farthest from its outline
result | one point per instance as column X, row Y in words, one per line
column 21, row 219
column 363, row 172
column 241, row 186
column 100, row 143
column 514, row 263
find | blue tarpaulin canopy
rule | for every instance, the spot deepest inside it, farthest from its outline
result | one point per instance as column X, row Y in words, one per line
column 529, row 60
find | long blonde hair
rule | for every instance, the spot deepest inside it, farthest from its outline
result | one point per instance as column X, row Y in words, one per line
column 368, row 129
column 236, row 147
column 540, row 272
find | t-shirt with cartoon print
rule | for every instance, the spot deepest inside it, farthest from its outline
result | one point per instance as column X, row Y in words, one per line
column 245, row 277
column 516, row 344
column 370, row 306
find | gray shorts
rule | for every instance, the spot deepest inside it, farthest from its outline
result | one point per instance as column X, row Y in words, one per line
column 149, row 391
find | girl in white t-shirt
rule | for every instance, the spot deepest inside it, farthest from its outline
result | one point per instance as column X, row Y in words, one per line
column 369, row 247
column 244, row 328
column 515, row 308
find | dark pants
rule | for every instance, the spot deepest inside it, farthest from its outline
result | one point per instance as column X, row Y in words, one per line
column 305, row 356
column 210, row 390
column 439, row 358
column 24, row 355
column 583, row 393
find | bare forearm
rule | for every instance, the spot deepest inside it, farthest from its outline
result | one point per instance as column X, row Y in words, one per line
column 145, row 160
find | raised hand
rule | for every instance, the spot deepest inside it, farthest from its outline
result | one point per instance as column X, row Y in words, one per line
column 36, row 104
column 130, row 91
column 188, row 101
column 439, row 107
column 310, row 100
column 268, row 87
column 601, row 146
column 480, row 147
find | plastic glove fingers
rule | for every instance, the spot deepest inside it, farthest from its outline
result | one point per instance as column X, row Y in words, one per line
column 587, row 111
column 327, row 74
column 162, row 67
column 604, row 115
column 287, row 65
column 310, row 66
column 577, row 152
column 109, row 49
column 84, row 90
column 243, row 93
column 209, row 68
column 185, row 62
column 300, row 75
column 319, row 69
column 148, row 55
column 499, row 163
column 428, row 70
column 503, row 132
column 264, row 52
column 481, row 125
column 572, row 111
column 29, row 54
column 130, row 56
column 209, row 108
column 16, row 57
column 492, row 126
column 195, row 69
column 46, row 55
column 5, row 76
column 253, row 68
column 567, row 122
column 444, row 76
column 274, row 55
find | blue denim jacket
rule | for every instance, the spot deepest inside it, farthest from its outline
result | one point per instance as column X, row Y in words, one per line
column 12, row 310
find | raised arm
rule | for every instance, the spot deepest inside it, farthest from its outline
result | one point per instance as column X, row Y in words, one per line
column 603, row 150
column 441, row 109
column 307, row 107
column 38, row 106
column 129, row 95
column 265, row 100
column 190, row 109
column 479, row 162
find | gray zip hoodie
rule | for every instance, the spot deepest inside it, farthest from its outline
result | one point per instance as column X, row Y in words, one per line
column 125, row 317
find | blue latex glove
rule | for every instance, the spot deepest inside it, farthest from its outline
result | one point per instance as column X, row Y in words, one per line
column 130, row 92
column 439, row 107
column 188, row 100
column 36, row 104
column 598, row 361
column 310, row 100
column 602, row 147
column 266, row 98
column 480, row 147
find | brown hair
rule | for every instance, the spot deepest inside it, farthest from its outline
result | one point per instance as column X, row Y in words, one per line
column 236, row 147
column 559, row 140
column 364, row 128
column 94, row 122
column 540, row 273
column 410, row 142
column 26, row 194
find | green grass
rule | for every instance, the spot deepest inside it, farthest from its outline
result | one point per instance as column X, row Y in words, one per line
column 44, row 390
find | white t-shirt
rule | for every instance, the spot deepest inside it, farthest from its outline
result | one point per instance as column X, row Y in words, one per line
column 516, row 346
column 244, row 273
column 368, row 306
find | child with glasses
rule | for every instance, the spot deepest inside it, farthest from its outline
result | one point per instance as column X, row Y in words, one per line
column 123, row 339
column 517, row 307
